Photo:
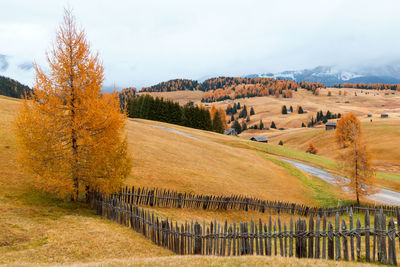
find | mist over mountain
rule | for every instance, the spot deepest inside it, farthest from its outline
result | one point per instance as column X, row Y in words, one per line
column 330, row 75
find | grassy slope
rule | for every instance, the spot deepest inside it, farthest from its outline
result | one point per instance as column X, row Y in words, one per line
column 380, row 134
column 36, row 228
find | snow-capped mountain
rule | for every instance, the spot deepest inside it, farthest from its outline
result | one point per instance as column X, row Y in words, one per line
column 331, row 75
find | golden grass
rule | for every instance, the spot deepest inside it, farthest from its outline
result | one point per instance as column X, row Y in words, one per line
column 203, row 165
column 224, row 261
column 38, row 229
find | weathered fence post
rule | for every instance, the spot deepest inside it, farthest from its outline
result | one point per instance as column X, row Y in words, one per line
column 151, row 198
column 197, row 238
column 337, row 239
column 367, row 245
column 330, row 241
column 179, row 200
column 392, row 242
column 345, row 244
column 205, row 204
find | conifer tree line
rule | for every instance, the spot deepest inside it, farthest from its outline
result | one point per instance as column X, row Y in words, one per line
column 323, row 117
column 12, row 88
column 159, row 109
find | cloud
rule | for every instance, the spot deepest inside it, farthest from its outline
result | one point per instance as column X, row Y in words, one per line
column 25, row 66
column 3, row 62
column 192, row 39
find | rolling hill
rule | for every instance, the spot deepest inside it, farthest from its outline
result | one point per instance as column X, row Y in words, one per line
column 36, row 228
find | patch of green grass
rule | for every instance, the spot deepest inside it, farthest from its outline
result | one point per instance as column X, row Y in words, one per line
column 295, row 154
column 321, row 192
column 50, row 207
column 389, row 176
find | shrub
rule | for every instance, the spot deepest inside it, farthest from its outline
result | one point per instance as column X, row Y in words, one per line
column 312, row 149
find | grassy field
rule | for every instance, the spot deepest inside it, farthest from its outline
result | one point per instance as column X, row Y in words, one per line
column 38, row 229
column 225, row 261
column 268, row 108
column 380, row 134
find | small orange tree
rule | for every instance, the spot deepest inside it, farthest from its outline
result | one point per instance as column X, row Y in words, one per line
column 69, row 133
column 356, row 157
column 312, row 149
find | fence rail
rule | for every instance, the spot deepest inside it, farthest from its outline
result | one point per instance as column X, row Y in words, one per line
column 320, row 238
column 155, row 197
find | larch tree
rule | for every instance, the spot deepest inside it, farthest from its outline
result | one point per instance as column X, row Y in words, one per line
column 70, row 134
column 356, row 159
column 223, row 118
column 213, row 109
column 347, row 129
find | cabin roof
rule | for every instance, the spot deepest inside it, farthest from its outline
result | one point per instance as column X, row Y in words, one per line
column 330, row 123
column 259, row 138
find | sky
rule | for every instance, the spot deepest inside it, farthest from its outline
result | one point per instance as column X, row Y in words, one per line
column 142, row 43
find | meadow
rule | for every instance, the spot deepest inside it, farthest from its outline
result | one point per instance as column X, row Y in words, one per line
column 39, row 229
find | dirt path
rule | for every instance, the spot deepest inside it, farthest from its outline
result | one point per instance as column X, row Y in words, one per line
column 384, row 196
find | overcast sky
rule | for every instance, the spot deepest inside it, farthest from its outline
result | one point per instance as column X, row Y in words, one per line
column 145, row 42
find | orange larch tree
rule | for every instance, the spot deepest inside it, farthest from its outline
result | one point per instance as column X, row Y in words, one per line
column 347, row 129
column 356, row 157
column 69, row 133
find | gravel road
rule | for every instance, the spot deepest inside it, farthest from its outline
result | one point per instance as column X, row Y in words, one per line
column 383, row 196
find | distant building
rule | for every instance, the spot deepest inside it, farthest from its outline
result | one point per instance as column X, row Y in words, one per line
column 384, row 115
column 347, row 101
column 230, row 131
column 281, row 129
column 369, row 115
column 266, row 128
column 262, row 139
column 330, row 125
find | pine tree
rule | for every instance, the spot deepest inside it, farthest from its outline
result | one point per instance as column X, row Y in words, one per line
column 237, row 127
column 273, row 125
column 252, row 111
column 261, row 125
column 303, row 125
column 284, row 109
column 291, row 109
column 243, row 113
column 300, row 110
column 280, row 143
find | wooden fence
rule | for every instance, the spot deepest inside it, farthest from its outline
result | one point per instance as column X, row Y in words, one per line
column 155, row 197
column 319, row 239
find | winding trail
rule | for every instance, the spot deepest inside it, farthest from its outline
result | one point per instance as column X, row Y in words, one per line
column 383, row 196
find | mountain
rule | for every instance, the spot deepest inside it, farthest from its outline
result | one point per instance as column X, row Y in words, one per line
column 330, row 75
column 13, row 88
